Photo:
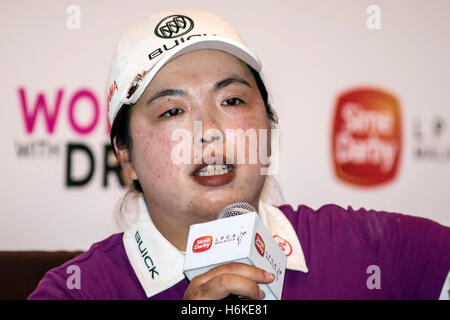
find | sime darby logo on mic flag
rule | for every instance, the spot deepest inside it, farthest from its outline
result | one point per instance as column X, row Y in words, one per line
column 202, row 244
column 260, row 245
column 366, row 138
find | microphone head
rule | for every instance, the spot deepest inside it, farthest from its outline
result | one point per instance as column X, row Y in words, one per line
column 235, row 209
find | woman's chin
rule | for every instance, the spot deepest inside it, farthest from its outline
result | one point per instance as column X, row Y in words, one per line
column 211, row 206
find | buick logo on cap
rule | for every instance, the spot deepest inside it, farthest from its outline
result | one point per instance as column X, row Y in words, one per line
column 174, row 26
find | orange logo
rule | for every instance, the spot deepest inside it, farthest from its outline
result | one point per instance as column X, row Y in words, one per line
column 202, row 244
column 259, row 245
column 284, row 245
column 366, row 137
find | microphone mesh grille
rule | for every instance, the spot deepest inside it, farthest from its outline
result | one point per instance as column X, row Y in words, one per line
column 235, row 209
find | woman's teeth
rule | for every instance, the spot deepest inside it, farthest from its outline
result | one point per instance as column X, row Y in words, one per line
column 213, row 170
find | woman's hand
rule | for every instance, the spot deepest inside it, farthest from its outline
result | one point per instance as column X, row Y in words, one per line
column 231, row 278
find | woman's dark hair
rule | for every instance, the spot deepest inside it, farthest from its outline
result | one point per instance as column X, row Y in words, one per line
column 120, row 129
column 271, row 115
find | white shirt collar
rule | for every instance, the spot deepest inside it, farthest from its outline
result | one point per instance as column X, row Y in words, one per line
column 159, row 265
column 284, row 234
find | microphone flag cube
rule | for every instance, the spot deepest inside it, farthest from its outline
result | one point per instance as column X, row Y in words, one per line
column 242, row 238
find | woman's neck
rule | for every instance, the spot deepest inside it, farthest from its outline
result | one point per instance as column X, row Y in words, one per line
column 173, row 227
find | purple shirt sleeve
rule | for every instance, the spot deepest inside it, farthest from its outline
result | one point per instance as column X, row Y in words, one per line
column 415, row 250
column 105, row 273
column 53, row 287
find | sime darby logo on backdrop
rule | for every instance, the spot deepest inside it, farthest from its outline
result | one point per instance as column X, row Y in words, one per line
column 366, row 140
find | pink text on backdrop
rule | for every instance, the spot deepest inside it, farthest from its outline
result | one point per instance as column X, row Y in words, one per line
column 51, row 112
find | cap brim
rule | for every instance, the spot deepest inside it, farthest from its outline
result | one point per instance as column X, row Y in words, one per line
column 206, row 42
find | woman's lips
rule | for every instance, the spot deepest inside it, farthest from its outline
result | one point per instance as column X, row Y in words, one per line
column 207, row 176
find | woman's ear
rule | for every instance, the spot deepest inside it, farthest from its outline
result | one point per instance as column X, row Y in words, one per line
column 124, row 158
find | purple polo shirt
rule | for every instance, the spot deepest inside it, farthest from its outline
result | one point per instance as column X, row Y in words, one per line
column 345, row 251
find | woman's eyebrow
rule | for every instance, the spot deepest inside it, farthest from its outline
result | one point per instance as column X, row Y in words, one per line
column 230, row 80
column 181, row 93
column 165, row 93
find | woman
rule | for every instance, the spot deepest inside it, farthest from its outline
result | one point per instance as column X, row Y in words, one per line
column 187, row 73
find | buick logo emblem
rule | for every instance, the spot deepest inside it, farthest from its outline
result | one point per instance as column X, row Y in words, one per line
column 174, row 26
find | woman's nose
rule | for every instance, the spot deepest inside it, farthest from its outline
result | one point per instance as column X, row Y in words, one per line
column 207, row 127
column 207, row 132
column 208, row 138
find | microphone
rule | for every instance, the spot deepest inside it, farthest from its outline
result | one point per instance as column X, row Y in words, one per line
column 238, row 235
column 235, row 209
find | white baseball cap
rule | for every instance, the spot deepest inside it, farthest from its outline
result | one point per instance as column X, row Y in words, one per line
column 160, row 38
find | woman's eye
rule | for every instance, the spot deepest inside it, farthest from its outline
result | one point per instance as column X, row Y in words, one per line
column 232, row 102
column 170, row 113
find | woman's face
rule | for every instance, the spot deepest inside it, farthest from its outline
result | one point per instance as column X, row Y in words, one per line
column 212, row 90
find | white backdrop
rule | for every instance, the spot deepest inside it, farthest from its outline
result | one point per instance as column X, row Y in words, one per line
column 312, row 51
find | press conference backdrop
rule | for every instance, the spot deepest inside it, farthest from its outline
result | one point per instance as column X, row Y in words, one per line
column 361, row 89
